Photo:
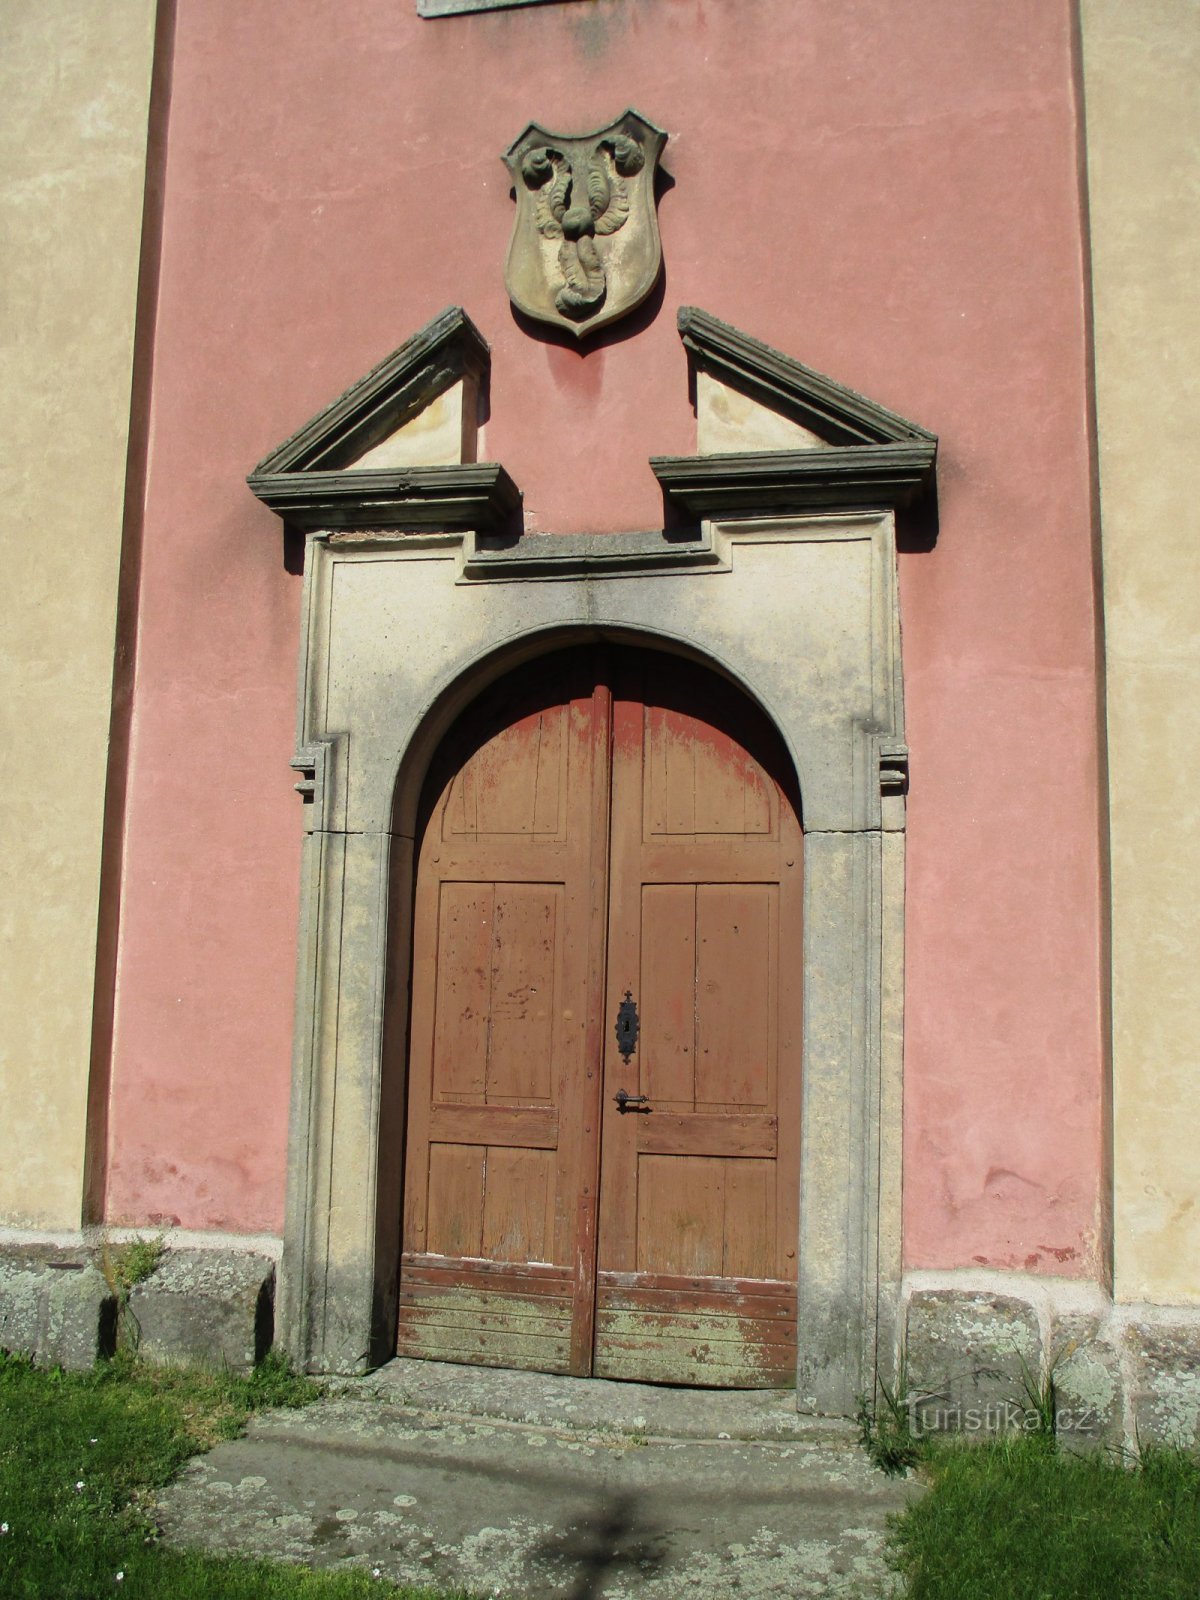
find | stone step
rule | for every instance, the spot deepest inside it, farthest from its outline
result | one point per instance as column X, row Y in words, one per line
column 596, row 1405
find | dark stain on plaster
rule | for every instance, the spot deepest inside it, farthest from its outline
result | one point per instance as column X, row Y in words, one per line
column 1060, row 1254
column 598, row 28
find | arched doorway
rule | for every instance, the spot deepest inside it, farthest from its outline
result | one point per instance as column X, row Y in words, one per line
column 602, row 1162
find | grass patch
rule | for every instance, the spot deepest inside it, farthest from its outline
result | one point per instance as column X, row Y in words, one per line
column 82, row 1456
column 1017, row 1519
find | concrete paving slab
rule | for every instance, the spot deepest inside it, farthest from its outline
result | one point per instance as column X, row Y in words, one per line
column 516, row 1485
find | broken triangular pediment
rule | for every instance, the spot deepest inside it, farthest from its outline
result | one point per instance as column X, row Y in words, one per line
column 775, row 436
column 397, row 449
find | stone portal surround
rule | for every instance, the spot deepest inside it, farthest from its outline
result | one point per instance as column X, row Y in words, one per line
column 400, row 632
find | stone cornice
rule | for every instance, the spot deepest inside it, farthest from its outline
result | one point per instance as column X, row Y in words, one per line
column 310, row 479
column 424, row 367
column 838, row 414
column 769, row 482
column 479, row 495
column 862, row 456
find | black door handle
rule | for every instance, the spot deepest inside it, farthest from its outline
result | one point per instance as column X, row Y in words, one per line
column 630, row 1102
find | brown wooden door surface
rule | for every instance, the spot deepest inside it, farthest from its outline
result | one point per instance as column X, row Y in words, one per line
column 604, row 822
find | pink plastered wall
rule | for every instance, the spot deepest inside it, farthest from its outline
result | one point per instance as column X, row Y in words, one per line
column 886, row 189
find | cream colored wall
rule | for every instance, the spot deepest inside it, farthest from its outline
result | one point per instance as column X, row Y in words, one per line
column 74, row 95
column 1142, row 88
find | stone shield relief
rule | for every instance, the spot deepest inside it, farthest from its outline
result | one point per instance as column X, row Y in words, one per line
column 585, row 248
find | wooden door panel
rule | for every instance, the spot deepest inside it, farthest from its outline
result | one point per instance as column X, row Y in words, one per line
column 699, row 1187
column 518, row 1205
column 455, row 1199
column 697, row 785
column 515, row 785
column 708, row 988
column 524, row 957
column 749, row 1235
column 462, row 964
column 680, row 1215
column 734, row 993
column 615, row 830
column 490, row 1202
column 502, row 1122
column 706, row 1216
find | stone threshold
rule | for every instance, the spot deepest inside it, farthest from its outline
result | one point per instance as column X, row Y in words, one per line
column 593, row 1405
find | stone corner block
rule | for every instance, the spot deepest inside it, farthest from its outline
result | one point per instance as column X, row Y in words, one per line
column 1163, row 1361
column 54, row 1306
column 1089, row 1387
column 968, row 1356
column 214, row 1307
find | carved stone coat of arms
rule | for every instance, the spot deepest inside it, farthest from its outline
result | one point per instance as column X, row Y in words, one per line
column 585, row 247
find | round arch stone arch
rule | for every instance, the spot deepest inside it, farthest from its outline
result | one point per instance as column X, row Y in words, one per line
column 400, row 633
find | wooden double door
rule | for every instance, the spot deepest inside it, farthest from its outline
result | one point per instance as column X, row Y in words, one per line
column 603, row 1134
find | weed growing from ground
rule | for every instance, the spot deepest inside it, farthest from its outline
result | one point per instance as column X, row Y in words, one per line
column 885, row 1426
column 1041, row 1395
column 124, row 1266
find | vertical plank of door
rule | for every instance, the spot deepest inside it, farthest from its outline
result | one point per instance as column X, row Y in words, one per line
column 681, row 1215
column 668, row 975
column 526, row 958
column 789, row 971
column 733, row 1021
column 457, row 1173
column 618, row 1192
column 749, row 1226
column 462, row 995
column 591, row 1081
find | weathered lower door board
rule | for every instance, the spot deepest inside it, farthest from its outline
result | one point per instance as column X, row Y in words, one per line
column 501, row 1314
column 537, row 1278
column 487, row 1349
column 697, row 1363
column 714, row 1332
